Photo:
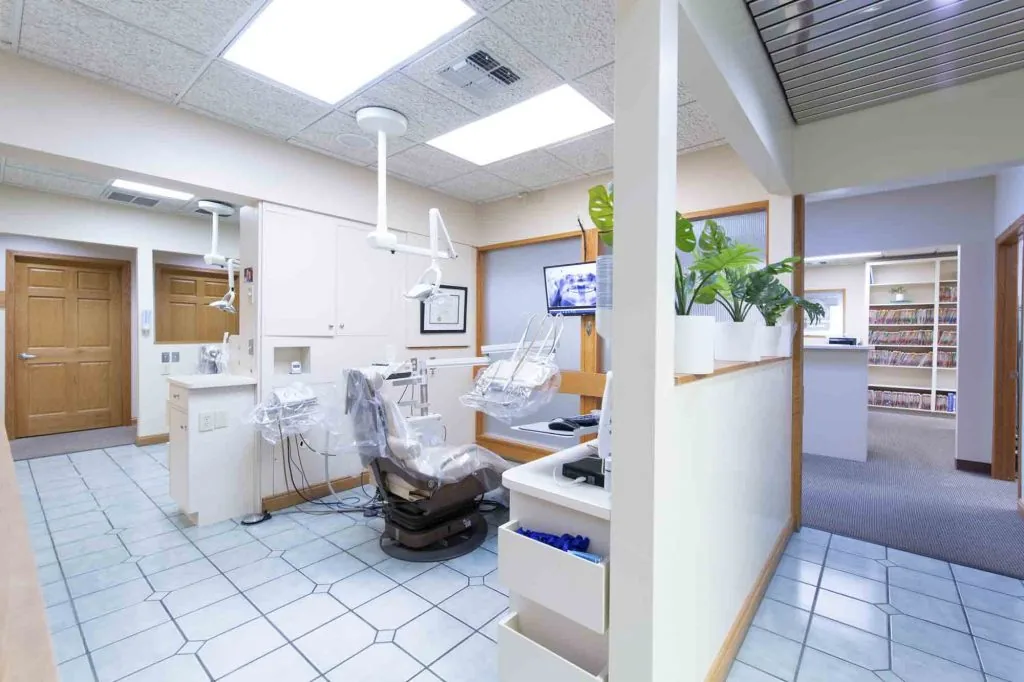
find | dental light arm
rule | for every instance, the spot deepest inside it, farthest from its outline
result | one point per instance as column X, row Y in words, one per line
column 217, row 210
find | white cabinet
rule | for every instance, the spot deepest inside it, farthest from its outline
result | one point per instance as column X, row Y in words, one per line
column 298, row 283
column 368, row 285
column 211, row 457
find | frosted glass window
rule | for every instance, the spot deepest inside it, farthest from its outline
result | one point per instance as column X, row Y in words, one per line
column 747, row 228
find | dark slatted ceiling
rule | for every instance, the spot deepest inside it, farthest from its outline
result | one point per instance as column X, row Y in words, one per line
column 835, row 56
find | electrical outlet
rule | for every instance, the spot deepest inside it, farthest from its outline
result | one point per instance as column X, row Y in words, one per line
column 206, row 421
column 165, row 357
column 220, row 420
column 175, row 357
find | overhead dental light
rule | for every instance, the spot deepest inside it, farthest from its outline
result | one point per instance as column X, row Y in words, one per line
column 385, row 122
column 219, row 210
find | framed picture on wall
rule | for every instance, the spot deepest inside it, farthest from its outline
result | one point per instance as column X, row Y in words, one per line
column 446, row 312
column 834, row 303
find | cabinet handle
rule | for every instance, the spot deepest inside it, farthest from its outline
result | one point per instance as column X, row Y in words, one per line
column 177, row 395
column 341, row 326
column 330, row 326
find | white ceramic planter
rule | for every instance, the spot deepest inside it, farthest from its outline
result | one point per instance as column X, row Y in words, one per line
column 737, row 341
column 785, row 347
column 695, row 344
column 769, row 339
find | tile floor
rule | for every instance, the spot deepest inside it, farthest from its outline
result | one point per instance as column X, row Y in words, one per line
column 133, row 593
column 842, row 610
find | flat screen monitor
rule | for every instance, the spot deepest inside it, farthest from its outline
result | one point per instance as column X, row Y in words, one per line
column 571, row 289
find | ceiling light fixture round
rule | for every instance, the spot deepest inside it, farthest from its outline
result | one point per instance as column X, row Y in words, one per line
column 354, row 141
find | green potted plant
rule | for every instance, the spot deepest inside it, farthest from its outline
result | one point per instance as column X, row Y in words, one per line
column 898, row 294
column 776, row 299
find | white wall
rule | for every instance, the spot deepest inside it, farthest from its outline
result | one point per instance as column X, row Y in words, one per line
column 88, row 121
column 850, row 278
column 922, row 217
column 1009, row 197
column 708, row 179
column 58, row 224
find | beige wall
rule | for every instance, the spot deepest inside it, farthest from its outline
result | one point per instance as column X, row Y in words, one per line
column 850, row 278
column 708, row 179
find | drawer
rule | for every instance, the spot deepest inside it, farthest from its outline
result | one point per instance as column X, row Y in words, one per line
column 573, row 587
column 520, row 659
column 177, row 396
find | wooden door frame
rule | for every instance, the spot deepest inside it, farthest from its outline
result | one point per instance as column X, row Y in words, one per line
column 1004, row 405
column 796, row 494
column 127, row 348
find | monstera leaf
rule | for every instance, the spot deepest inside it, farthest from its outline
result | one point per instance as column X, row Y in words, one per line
column 602, row 212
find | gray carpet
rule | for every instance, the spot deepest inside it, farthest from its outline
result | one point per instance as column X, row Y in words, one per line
column 76, row 441
column 908, row 495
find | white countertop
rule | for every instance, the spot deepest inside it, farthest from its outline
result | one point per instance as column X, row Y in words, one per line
column 837, row 346
column 542, row 478
column 200, row 381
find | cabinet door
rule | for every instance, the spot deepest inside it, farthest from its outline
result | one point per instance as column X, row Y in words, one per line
column 298, row 285
column 368, row 286
column 177, row 456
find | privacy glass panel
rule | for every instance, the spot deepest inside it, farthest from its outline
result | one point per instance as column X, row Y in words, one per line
column 747, row 228
column 513, row 290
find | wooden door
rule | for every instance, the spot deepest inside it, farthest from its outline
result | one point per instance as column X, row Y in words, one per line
column 69, row 346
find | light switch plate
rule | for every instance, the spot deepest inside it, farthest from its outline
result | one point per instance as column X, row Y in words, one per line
column 175, row 356
column 165, row 357
column 206, row 421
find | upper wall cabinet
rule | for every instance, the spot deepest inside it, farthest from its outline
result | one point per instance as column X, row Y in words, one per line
column 298, row 285
column 368, row 282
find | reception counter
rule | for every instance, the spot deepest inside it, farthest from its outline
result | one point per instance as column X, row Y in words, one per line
column 836, row 401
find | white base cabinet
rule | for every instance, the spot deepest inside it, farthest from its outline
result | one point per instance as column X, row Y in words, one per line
column 211, row 457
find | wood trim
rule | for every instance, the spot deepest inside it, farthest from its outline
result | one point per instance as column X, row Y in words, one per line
column 739, row 209
column 726, row 368
column 156, row 439
column 26, row 651
column 3, row 299
column 479, row 419
column 128, row 343
column 515, row 450
column 796, row 462
column 557, row 236
column 589, row 384
column 734, row 638
column 590, row 344
column 973, row 467
column 291, row 498
column 1004, row 403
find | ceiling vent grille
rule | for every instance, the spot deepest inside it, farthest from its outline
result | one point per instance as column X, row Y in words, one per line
column 134, row 199
column 479, row 74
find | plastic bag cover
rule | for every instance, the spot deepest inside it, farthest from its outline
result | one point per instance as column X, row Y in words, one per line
column 506, row 392
column 288, row 411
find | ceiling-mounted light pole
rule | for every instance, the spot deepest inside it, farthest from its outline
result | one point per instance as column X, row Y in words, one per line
column 220, row 210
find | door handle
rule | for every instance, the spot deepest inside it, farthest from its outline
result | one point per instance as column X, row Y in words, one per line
column 26, row 356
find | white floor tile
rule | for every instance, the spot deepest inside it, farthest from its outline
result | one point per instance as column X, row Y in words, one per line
column 67, row 644
column 200, row 532
column 156, row 543
column 854, row 586
column 402, row 571
column 60, row 617
column 990, row 581
column 924, row 583
column 136, row 652
column 306, row 614
column 479, row 563
column 935, row 639
column 920, row 563
column 93, row 562
column 431, row 635
column 393, row 609
column 916, row 666
column 438, row 584
column 782, row 619
column 280, row 591
column 932, row 609
column 993, row 602
column 377, row 663
column 996, row 628
column 369, row 553
column 808, row 551
column 1001, row 661
column 310, row 553
column 741, row 672
column 112, row 599
column 223, row 541
column 118, row 625
column 262, row 571
column 174, row 669
column 242, row 555
column 76, row 670
column 858, row 547
column 330, row 644
column 352, row 536
column 799, row 570
column 200, row 594
column 230, row 651
column 169, row 558
column 333, row 569
column 55, row 593
column 853, row 612
column 88, row 583
column 217, row 618
column 816, row 666
column 848, row 643
column 475, row 660
column 281, row 665
column 182, row 576
column 362, row 587
column 475, row 605
column 288, row 539
column 855, row 564
column 800, row 595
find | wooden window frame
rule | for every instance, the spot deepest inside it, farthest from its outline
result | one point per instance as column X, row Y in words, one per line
column 160, row 301
column 10, row 313
column 1004, row 407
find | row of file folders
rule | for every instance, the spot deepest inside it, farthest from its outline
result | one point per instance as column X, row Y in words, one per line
column 899, row 358
column 912, row 316
column 914, row 337
column 911, row 400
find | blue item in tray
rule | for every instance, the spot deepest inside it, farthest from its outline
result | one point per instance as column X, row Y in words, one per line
column 565, row 542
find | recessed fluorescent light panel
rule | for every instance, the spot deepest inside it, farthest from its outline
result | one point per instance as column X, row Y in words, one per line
column 548, row 118
column 151, row 190
column 330, row 48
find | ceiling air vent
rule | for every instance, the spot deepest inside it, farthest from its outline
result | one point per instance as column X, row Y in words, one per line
column 134, row 199
column 479, row 74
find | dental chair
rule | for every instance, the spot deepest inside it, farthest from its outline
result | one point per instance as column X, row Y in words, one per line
column 430, row 491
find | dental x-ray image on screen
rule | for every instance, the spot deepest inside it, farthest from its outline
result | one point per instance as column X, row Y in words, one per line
column 571, row 289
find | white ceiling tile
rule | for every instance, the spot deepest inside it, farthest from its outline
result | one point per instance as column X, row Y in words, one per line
column 236, row 96
column 534, row 76
column 6, row 23
column 695, row 127
column 322, row 136
column 534, row 170
column 197, row 24
column 573, row 37
column 590, row 153
column 93, row 42
column 485, row 5
column 429, row 113
column 47, row 181
column 478, row 186
column 599, row 87
column 428, row 166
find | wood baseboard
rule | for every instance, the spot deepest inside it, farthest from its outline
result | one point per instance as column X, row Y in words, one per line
column 719, row 669
column 292, row 498
column 155, row 439
column 974, row 467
